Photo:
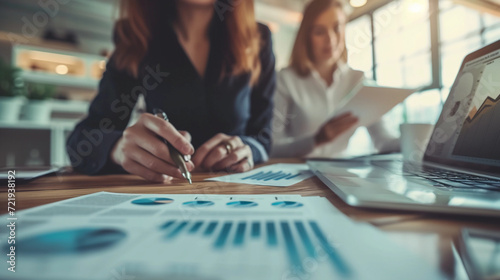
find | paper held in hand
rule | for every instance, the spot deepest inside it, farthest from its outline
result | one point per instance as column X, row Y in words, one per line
column 369, row 102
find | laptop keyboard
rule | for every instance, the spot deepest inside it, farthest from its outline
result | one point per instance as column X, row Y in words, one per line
column 448, row 179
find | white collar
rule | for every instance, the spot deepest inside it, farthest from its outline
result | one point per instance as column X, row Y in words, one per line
column 342, row 68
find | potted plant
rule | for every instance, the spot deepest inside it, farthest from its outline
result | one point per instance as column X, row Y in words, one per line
column 11, row 92
column 38, row 109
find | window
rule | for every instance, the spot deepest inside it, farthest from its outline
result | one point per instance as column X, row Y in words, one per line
column 359, row 45
column 393, row 45
column 402, row 44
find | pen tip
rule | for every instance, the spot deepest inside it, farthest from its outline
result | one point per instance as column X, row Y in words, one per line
column 190, row 182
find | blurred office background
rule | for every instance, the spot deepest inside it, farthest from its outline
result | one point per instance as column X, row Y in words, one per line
column 60, row 47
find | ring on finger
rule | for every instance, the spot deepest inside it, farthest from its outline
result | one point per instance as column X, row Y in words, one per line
column 250, row 165
column 228, row 146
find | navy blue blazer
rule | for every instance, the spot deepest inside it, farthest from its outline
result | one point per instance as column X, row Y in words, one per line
column 203, row 106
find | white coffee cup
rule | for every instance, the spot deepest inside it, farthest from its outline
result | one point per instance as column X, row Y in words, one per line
column 414, row 139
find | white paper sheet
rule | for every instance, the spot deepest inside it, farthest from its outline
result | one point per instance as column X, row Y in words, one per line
column 276, row 175
column 197, row 236
column 369, row 103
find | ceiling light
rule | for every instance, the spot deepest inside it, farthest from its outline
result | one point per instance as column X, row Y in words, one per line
column 357, row 3
column 62, row 69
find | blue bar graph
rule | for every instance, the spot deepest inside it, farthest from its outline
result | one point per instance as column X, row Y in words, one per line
column 293, row 253
column 177, row 230
column 305, row 239
column 195, row 227
column 221, row 239
column 256, row 229
column 299, row 237
column 270, row 175
column 240, row 234
column 271, row 234
column 257, row 175
column 167, row 225
column 337, row 261
column 292, row 176
column 210, row 229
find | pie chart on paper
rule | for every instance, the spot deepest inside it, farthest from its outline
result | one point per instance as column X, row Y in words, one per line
column 241, row 204
column 71, row 241
column 287, row 204
column 153, row 201
column 198, row 203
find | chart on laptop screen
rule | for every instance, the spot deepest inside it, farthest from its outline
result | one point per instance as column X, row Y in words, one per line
column 483, row 118
column 467, row 129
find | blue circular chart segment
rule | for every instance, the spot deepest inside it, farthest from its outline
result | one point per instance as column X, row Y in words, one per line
column 73, row 241
column 198, row 203
column 287, row 204
column 242, row 204
column 152, row 201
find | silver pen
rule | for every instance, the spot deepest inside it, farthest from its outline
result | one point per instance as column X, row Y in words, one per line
column 177, row 157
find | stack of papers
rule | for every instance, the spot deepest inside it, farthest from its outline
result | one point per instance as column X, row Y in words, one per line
column 194, row 236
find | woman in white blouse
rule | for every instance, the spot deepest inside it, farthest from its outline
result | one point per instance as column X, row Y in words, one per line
column 309, row 90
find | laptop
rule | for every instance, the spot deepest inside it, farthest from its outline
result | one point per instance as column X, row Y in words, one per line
column 460, row 171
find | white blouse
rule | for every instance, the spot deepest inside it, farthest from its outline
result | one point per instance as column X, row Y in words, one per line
column 303, row 104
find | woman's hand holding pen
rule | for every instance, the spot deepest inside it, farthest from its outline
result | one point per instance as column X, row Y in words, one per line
column 140, row 151
column 334, row 128
column 224, row 152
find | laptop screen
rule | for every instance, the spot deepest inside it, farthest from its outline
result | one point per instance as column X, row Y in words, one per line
column 467, row 133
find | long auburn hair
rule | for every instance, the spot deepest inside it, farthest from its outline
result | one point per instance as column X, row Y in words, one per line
column 134, row 31
column 301, row 59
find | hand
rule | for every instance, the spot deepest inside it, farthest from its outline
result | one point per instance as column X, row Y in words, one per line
column 224, row 152
column 334, row 128
column 139, row 151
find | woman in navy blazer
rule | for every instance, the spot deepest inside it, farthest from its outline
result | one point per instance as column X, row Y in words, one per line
column 208, row 65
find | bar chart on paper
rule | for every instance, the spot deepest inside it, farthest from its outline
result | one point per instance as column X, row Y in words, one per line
column 203, row 236
column 278, row 175
column 295, row 239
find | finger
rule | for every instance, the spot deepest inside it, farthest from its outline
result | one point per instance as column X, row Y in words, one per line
column 233, row 158
column 151, row 143
column 186, row 135
column 235, row 142
column 168, row 132
column 340, row 117
column 342, row 128
column 344, row 115
column 344, row 118
column 203, row 150
column 348, row 122
column 155, row 164
column 243, row 166
column 159, row 149
column 134, row 167
column 217, row 154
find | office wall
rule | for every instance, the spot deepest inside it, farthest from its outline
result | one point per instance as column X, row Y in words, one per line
column 91, row 21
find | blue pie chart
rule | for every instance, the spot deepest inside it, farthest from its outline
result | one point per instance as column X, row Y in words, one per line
column 73, row 241
column 153, row 201
column 287, row 204
column 198, row 203
column 242, row 204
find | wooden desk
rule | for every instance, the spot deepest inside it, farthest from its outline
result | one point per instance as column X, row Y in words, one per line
column 427, row 235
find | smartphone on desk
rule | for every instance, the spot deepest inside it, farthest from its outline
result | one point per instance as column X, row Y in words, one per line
column 480, row 253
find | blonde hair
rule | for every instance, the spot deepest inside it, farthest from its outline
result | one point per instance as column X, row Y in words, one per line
column 301, row 59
